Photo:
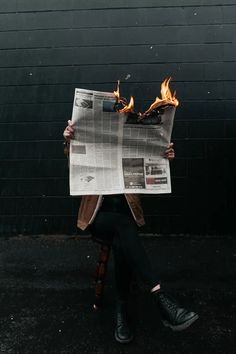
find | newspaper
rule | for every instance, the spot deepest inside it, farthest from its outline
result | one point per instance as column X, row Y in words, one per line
column 110, row 155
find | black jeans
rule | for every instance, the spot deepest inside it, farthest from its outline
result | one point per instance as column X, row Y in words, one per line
column 129, row 254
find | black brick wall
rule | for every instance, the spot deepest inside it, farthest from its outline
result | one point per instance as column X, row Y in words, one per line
column 49, row 47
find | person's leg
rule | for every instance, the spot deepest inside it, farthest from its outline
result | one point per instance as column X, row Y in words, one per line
column 125, row 229
column 173, row 315
column 122, row 270
column 104, row 228
column 123, row 278
column 133, row 250
column 122, row 231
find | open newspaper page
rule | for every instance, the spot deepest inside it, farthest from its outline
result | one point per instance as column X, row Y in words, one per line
column 111, row 155
column 96, row 150
column 145, row 168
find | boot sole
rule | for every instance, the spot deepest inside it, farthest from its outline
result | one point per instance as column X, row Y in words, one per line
column 182, row 326
column 123, row 341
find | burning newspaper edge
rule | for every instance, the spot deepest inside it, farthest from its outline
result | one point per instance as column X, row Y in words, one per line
column 156, row 108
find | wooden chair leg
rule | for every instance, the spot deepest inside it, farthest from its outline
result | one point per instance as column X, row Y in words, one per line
column 101, row 270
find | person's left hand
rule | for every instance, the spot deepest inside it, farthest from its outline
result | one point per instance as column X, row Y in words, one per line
column 170, row 152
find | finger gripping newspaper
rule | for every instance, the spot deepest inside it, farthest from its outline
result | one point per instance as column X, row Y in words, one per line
column 113, row 152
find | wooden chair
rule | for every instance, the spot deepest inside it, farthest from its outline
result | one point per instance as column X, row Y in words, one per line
column 100, row 274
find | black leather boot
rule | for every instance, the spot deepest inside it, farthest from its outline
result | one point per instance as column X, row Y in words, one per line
column 173, row 315
column 123, row 332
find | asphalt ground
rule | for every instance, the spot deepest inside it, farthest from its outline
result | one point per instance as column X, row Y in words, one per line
column 47, row 292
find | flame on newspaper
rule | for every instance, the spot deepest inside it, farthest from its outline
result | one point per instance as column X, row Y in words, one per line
column 127, row 107
column 117, row 91
column 166, row 99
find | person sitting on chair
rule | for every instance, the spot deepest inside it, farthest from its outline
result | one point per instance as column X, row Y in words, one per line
column 115, row 219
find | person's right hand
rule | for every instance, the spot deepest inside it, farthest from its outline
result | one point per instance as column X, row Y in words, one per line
column 69, row 132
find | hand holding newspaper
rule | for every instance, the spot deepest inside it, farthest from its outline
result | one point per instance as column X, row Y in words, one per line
column 113, row 153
